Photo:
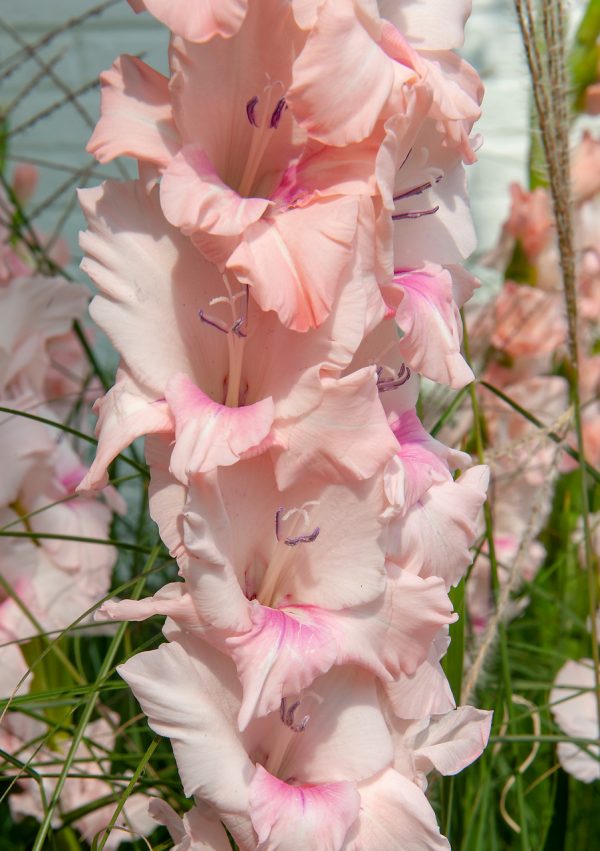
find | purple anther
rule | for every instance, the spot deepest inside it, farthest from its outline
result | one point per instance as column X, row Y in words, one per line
column 394, row 383
column 280, row 107
column 212, row 322
column 237, row 327
column 417, row 190
column 239, row 324
column 250, row 110
column 415, row 214
column 287, row 716
column 278, row 514
column 303, row 539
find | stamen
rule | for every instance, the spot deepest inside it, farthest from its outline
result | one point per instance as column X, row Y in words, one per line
column 303, row 539
column 237, row 327
column 250, row 110
column 280, row 107
column 418, row 190
column 240, row 323
column 415, row 214
column 214, row 323
column 287, row 716
column 393, row 383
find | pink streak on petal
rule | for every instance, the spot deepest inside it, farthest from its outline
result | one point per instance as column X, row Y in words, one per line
column 209, row 435
column 279, row 656
column 431, row 326
column 292, row 817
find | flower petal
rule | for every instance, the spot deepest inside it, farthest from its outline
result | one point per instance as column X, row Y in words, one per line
column 191, row 696
column 434, row 537
column 288, row 817
column 194, row 198
column 135, row 115
column 346, row 436
column 209, row 435
column 299, row 285
column 347, row 112
column 198, row 21
column 394, row 813
column 430, row 324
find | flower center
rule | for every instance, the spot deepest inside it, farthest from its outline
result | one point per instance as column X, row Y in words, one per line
column 264, row 114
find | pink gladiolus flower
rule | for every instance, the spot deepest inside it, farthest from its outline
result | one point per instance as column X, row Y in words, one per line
column 274, row 283
column 249, row 382
column 242, row 197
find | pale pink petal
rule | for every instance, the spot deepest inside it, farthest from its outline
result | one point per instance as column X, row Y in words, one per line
column 347, row 112
column 433, row 539
column 346, row 436
column 420, row 461
column 34, row 311
column 449, row 742
column 346, row 736
column 191, row 696
column 135, row 115
column 430, row 324
column 419, row 610
column 210, row 108
column 395, row 814
column 123, row 415
column 267, row 657
column 288, row 817
column 574, row 707
column 209, row 435
column 427, row 691
column 170, row 601
column 429, row 25
column 199, row 20
column 299, row 285
column 198, row 830
column 194, row 198
column 166, row 496
column 211, row 539
column 447, row 236
column 325, row 170
column 152, row 284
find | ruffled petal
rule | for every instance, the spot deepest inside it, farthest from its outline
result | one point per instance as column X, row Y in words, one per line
column 426, row 691
column 198, row 830
column 209, row 435
column 191, row 696
column 288, row 817
column 430, row 324
column 198, row 21
column 394, row 813
column 194, row 198
column 299, row 285
column 347, row 112
column 124, row 414
column 136, row 119
column 433, row 25
column 346, row 436
column 434, row 537
column 268, row 657
column 452, row 741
